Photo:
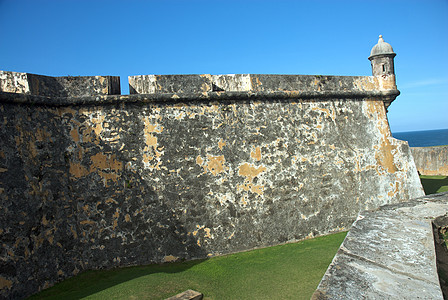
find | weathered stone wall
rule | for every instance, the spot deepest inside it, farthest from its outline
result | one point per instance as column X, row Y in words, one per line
column 188, row 171
column 389, row 253
column 431, row 160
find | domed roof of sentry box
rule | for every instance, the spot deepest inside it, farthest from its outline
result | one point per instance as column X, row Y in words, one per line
column 381, row 48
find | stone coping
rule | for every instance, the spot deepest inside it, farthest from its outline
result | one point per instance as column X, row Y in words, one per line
column 388, row 253
column 386, row 95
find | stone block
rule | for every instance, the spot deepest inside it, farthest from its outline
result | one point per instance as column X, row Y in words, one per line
column 14, row 82
column 232, row 83
column 159, row 84
column 65, row 86
column 187, row 295
column 73, row 86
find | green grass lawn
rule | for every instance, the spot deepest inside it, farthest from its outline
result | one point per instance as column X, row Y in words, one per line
column 434, row 184
column 290, row 271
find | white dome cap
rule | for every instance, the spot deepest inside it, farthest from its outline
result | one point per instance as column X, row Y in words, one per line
column 381, row 48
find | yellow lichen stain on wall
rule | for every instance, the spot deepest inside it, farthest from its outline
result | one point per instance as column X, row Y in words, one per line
column 105, row 165
column 115, row 217
column 108, row 201
column 385, row 149
column 77, row 170
column 152, row 149
column 385, row 157
column 101, row 161
column 328, row 113
column 395, row 188
column 359, row 162
column 5, row 283
column 221, row 144
column 207, row 233
column 170, row 258
column 75, row 134
column 90, row 130
column 255, row 83
column 197, row 229
column 215, row 164
column 88, row 222
column 250, row 172
column 73, row 231
column 317, row 84
column 256, row 154
column 96, row 120
column 199, row 160
column 256, row 189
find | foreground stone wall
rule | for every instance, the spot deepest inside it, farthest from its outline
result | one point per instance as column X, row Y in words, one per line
column 169, row 174
column 431, row 160
column 389, row 253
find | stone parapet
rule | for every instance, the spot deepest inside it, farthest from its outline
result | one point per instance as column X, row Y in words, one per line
column 65, row 86
column 431, row 160
column 298, row 85
column 388, row 253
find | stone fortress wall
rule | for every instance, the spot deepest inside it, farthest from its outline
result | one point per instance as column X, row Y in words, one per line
column 431, row 160
column 186, row 167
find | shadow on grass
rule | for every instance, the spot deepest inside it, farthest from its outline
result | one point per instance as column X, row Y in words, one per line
column 91, row 282
column 288, row 271
column 434, row 184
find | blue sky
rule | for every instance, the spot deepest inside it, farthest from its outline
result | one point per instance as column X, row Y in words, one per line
column 123, row 38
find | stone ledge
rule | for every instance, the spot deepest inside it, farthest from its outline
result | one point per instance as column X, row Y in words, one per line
column 388, row 254
column 6, row 97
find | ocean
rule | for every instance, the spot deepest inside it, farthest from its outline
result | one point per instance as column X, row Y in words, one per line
column 425, row 138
